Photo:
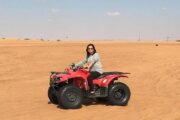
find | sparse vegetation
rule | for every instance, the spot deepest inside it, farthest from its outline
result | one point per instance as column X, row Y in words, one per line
column 3, row 38
column 177, row 40
column 58, row 40
column 26, row 39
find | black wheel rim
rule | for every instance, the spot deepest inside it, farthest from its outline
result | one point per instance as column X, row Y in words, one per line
column 71, row 96
column 119, row 94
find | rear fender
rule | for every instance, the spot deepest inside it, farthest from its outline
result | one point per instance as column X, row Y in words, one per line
column 108, row 79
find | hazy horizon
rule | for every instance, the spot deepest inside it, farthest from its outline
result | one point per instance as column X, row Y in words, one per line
column 90, row 19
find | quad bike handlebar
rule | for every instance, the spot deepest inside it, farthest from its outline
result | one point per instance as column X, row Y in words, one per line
column 75, row 68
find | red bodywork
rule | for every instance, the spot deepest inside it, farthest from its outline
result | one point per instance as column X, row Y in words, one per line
column 79, row 78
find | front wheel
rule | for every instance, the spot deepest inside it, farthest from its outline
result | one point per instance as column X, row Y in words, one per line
column 70, row 97
column 119, row 94
column 51, row 95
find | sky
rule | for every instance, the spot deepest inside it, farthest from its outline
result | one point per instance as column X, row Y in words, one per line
column 90, row 19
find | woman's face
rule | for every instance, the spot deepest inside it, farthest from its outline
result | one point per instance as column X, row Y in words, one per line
column 90, row 50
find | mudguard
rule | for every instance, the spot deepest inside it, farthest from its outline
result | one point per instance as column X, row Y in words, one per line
column 104, row 82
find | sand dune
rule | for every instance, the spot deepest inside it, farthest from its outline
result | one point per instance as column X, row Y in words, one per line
column 154, row 80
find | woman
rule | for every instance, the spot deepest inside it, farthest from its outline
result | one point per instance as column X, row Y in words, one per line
column 93, row 64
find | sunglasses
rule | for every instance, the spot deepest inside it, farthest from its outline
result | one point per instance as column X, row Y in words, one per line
column 90, row 48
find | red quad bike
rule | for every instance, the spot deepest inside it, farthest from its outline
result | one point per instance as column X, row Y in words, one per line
column 69, row 88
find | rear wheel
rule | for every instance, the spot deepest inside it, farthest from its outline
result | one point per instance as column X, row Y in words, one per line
column 119, row 94
column 51, row 95
column 70, row 97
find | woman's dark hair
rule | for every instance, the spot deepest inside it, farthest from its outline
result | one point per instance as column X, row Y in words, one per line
column 87, row 53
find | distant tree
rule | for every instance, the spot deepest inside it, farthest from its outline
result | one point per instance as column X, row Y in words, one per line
column 157, row 45
column 58, row 40
column 26, row 39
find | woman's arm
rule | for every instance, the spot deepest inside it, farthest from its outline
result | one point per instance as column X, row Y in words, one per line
column 81, row 63
column 89, row 65
column 95, row 59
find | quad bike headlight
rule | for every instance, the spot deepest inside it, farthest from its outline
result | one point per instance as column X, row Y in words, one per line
column 56, row 80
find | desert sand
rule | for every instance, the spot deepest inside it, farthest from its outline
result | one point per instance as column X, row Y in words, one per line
column 154, row 80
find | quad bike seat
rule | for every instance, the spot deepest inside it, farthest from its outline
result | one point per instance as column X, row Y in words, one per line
column 53, row 72
column 110, row 73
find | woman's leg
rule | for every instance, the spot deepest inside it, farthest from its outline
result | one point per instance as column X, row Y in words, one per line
column 91, row 77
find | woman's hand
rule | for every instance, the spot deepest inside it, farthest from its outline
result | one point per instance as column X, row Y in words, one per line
column 85, row 66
